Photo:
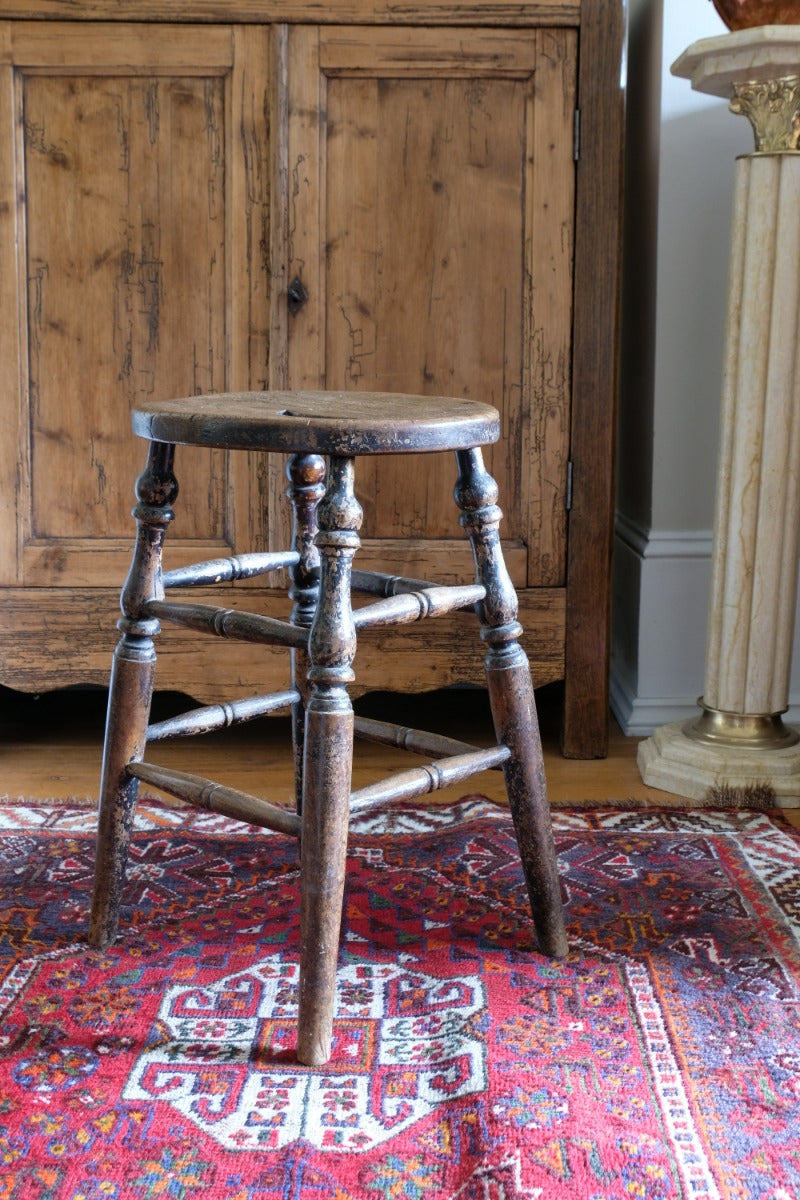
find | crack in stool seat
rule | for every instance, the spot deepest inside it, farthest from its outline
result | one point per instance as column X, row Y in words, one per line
column 324, row 433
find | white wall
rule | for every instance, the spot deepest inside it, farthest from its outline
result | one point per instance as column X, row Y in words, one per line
column 680, row 155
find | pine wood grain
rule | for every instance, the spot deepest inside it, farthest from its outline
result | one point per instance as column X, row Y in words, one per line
column 427, row 149
column 13, row 468
column 152, row 144
column 597, row 244
column 39, row 632
column 490, row 12
column 173, row 276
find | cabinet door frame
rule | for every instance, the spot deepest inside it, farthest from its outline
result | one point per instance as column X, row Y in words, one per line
column 336, row 12
column 542, row 61
column 240, row 57
column 595, row 353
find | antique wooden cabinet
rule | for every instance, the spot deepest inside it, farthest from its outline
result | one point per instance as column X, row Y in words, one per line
column 271, row 194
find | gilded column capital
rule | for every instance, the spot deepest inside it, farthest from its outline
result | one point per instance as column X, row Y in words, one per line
column 772, row 106
column 758, row 72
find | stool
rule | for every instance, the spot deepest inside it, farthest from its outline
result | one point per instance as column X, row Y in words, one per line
column 321, row 637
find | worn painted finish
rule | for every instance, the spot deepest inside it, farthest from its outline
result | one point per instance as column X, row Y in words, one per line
column 228, row 623
column 225, row 570
column 306, row 475
column 327, row 765
column 220, row 716
column 319, row 422
column 215, row 797
column 131, row 690
column 418, row 741
column 416, row 604
column 322, row 638
column 422, row 781
column 513, row 705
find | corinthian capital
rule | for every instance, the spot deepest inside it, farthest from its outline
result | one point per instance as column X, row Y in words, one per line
column 772, row 106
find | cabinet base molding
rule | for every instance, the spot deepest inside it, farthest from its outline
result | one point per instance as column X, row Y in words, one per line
column 56, row 638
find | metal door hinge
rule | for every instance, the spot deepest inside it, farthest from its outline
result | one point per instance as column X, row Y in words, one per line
column 568, row 495
column 576, row 135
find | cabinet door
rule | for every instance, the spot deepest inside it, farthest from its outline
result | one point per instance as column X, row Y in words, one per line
column 429, row 215
column 132, row 228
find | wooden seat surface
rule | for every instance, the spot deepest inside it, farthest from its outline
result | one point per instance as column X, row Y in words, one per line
column 339, row 423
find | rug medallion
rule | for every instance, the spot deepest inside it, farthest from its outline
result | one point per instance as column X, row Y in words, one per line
column 660, row 1059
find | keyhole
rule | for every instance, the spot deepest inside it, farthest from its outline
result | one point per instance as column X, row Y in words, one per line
column 296, row 295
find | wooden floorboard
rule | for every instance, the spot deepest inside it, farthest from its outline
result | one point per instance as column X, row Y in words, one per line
column 50, row 749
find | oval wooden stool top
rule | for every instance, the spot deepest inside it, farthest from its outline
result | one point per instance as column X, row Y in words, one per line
column 338, row 423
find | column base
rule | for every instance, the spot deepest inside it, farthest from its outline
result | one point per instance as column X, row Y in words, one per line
column 720, row 777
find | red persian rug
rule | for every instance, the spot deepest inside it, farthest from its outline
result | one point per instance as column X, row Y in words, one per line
column 661, row 1059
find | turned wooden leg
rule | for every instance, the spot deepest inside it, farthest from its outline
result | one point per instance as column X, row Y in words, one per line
column 306, row 474
column 130, row 691
column 513, row 705
column 327, row 766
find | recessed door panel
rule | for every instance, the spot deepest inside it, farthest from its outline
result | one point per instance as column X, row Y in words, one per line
column 435, row 244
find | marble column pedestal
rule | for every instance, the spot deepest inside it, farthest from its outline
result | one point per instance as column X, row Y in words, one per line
column 738, row 751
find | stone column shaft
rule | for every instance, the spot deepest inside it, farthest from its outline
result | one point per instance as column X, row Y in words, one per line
column 755, row 556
